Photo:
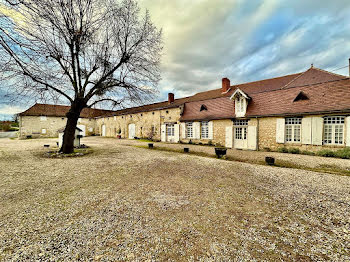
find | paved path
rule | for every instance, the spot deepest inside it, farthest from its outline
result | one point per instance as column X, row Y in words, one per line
column 253, row 156
column 8, row 134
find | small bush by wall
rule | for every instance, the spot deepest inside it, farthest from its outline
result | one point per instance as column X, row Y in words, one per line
column 294, row 150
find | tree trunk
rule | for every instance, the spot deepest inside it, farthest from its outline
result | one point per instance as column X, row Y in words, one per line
column 69, row 132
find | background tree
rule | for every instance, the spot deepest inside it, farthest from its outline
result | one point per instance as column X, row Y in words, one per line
column 85, row 51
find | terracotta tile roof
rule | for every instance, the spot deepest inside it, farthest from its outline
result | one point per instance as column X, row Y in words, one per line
column 268, row 97
column 322, row 98
column 217, row 108
column 221, row 108
column 60, row 111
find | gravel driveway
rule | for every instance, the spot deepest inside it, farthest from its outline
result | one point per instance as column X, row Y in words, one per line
column 135, row 204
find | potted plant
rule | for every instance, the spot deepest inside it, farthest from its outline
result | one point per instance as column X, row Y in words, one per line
column 220, row 151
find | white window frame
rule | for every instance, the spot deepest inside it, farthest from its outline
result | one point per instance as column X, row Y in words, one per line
column 333, row 126
column 205, row 129
column 170, row 130
column 293, row 130
column 189, row 130
column 241, row 129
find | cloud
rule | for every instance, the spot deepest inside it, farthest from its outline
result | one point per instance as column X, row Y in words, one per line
column 206, row 40
column 9, row 110
column 247, row 40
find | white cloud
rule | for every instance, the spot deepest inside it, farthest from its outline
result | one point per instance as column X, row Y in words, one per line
column 11, row 110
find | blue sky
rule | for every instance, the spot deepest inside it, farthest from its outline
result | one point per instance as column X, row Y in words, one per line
column 243, row 40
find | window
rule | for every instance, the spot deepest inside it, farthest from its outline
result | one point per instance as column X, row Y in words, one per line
column 293, row 129
column 241, row 133
column 170, row 130
column 241, row 122
column 189, row 127
column 167, row 112
column 205, row 130
column 153, row 129
column 241, row 128
column 333, row 131
column 43, row 118
column 43, row 131
column 240, row 105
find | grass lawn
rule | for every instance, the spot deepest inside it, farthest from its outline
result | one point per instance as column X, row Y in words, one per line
column 130, row 203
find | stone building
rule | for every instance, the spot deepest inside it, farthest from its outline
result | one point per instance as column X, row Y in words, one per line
column 308, row 110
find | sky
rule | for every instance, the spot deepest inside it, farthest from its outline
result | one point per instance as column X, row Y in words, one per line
column 206, row 40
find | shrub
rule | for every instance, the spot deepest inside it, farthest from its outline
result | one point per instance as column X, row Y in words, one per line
column 190, row 142
column 294, row 150
column 282, row 150
column 326, row 153
column 210, row 143
column 305, row 152
column 267, row 149
column 343, row 153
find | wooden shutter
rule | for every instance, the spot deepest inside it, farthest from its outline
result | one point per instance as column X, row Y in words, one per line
column 280, row 129
column 177, row 133
column 210, row 130
column 196, row 130
column 252, row 137
column 306, row 131
column 317, row 130
column 347, row 131
column 228, row 136
column 163, row 133
column 183, row 130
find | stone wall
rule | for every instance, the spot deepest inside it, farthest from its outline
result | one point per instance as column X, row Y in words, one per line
column 35, row 126
column 143, row 123
column 267, row 137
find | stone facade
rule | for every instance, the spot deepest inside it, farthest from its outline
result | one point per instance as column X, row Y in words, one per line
column 48, row 126
column 147, row 124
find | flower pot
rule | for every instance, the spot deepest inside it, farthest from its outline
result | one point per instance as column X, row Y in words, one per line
column 220, row 152
column 270, row 160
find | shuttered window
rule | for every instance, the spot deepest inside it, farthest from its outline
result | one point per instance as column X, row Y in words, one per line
column 293, row 129
column 333, row 130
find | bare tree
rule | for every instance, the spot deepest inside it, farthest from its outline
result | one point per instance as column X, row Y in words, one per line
column 85, row 51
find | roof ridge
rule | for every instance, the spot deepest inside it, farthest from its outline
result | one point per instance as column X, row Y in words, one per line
column 295, row 78
column 267, row 79
column 267, row 91
column 329, row 72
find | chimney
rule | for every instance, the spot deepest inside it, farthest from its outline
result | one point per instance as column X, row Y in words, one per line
column 225, row 85
column 170, row 98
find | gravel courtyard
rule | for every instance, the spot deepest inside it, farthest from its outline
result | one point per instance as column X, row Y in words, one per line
column 136, row 204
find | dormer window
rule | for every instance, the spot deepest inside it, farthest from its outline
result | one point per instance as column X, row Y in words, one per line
column 241, row 102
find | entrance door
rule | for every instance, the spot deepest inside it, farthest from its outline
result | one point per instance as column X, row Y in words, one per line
column 82, row 128
column 170, row 133
column 132, row 131
column 103, row 130
column 241, row 137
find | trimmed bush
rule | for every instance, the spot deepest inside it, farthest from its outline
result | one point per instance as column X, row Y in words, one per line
column 282, row 150
column 326, row 153
column 294, row 150
column 343, row 153
column 305, row 152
